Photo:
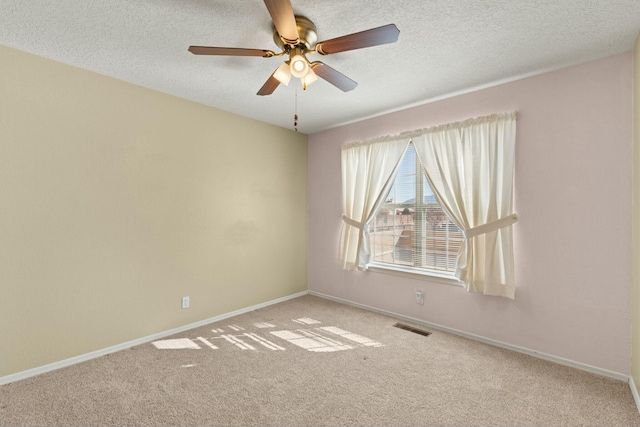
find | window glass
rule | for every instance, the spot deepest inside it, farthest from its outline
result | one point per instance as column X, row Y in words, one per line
column 411, row 229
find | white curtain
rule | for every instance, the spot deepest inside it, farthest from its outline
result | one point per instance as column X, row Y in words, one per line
column 469, row 166
column 368, row 172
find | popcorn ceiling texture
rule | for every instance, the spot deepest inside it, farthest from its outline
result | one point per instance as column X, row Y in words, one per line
column 444, row 48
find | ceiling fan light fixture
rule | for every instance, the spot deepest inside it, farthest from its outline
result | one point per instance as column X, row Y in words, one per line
column 296, row 36
column 309, row 78
column 299, row 65
column 283, row 74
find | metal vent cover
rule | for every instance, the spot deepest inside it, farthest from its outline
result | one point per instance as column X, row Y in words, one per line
column 412, row 329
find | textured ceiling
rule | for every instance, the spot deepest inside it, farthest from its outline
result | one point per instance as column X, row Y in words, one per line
column 445, row 47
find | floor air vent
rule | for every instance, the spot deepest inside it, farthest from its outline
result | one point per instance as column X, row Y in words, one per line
column 412, row 329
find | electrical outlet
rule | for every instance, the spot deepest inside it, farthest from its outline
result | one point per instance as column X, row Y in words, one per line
column 419, row 297
column 185, row 302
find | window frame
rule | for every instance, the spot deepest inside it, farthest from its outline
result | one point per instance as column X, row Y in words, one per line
column 414, row 273
column 440, row 276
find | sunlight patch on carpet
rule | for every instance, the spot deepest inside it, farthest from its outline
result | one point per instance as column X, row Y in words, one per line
column 263, row 325
column 265, row 342
column 176, row 344
column 207, row 343
column 306, row 321
column 320, row 339
column 238, row 342
column 367, row 342
column 310, row 341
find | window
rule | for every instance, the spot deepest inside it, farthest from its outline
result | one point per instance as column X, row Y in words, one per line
column 411, row 230
column 392, row 221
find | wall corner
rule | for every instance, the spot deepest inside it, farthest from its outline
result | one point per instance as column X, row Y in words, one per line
column 635, row 230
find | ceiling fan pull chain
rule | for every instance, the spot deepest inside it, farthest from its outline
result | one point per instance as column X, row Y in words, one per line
column 295, row 114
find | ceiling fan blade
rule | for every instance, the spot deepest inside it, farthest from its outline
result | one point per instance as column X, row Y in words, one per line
column 230, row 51
column 269, row 86
column 283, row 18
column 333, row 76
column 373, row 37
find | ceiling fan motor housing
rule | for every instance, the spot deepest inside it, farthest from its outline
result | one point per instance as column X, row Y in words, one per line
column 306, row 32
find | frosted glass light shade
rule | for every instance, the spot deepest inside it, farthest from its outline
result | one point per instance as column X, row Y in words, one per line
column 299, row 66
column 309, row 78
column 283, row 74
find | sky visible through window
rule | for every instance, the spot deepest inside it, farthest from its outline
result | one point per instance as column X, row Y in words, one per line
column 404, row 190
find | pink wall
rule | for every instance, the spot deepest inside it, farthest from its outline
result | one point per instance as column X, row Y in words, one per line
column 573, row 197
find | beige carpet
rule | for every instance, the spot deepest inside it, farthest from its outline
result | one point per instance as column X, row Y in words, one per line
column 313, row 362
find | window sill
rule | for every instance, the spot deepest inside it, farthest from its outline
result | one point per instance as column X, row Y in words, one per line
column 432, row 276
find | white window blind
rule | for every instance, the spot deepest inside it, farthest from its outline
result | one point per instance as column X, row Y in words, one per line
column 411, row 229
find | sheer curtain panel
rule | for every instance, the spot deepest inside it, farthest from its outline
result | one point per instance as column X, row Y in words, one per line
column 368, row 172
column 469, row 166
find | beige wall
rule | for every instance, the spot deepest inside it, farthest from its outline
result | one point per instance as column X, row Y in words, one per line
column 635, row 330
column 116, row 201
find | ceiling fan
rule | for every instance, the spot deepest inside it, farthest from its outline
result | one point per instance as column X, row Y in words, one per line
column 296, row 36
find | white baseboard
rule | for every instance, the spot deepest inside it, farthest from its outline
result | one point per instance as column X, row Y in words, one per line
column 523, row 350
column 634, row 391
column 98, row 353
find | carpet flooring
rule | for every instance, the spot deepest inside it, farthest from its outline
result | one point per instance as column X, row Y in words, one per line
column 314, row 362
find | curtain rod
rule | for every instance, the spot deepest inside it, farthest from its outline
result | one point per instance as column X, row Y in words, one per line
column 437, row 128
